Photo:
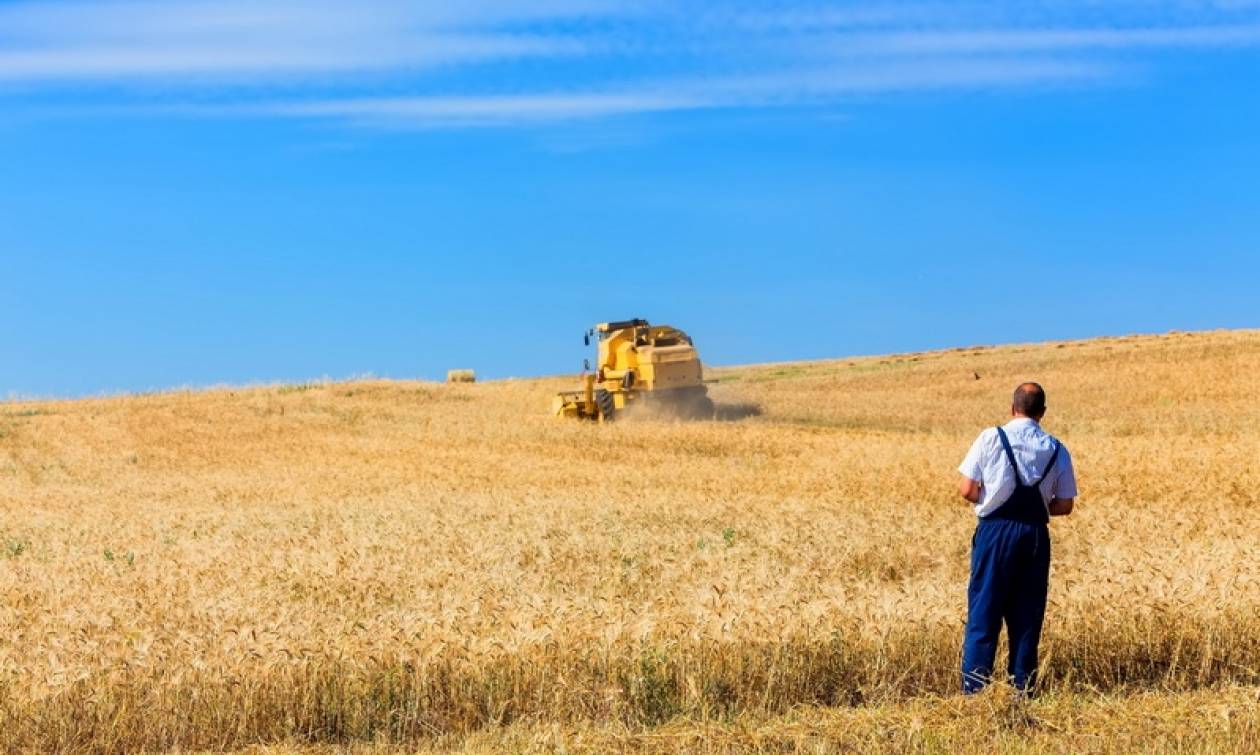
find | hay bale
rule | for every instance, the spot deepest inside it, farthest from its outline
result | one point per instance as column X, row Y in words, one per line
column 461, row 376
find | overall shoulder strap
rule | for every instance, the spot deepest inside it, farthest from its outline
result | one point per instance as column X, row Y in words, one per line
column 1050, row 465
column 1010, row 454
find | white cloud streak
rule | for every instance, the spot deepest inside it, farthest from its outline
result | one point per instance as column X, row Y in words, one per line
column 508, row 62
column 72, row 42
column 800, row 88
column 497, row 110
column 1023, row 41
column 243, row 61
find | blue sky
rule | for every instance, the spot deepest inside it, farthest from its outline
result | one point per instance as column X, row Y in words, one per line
column 195, row 193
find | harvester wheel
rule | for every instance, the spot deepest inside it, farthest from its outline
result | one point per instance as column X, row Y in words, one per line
column 604, row 402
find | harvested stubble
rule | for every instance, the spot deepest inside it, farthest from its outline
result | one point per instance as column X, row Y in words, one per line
column 382, row 561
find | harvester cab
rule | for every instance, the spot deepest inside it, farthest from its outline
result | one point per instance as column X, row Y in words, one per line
column 654, row 367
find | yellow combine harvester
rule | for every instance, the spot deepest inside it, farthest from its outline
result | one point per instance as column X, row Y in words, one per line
column 654, row 367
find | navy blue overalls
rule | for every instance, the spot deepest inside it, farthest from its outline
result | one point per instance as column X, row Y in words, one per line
column 1010, row 573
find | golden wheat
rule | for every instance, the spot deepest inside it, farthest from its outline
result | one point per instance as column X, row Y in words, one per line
column 406, row 562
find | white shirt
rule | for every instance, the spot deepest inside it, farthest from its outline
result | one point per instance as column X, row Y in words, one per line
column 987, row 464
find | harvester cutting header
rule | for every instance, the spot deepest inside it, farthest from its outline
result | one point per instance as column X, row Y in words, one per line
column 653, row 367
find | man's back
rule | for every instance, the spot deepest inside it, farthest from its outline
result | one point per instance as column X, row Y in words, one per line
column 1033, row 448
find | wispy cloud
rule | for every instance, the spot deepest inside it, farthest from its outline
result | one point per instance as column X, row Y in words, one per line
column 1025, row 41
column 799, row 88
column 74, row 42
column 439, row 112
column 483, row 63
column 242, row 62
column 806, row 18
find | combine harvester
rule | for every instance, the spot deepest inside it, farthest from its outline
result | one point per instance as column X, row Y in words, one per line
column 655, row 368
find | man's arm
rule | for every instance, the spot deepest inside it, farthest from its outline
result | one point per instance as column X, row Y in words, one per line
column 969, row 489
column 1064, row 498
column 972, row 471
column 1061, row 506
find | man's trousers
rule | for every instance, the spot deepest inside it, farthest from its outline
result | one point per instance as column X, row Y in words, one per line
column 1010, row 573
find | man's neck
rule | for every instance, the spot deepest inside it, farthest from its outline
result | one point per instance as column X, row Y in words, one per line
column 1015, row 417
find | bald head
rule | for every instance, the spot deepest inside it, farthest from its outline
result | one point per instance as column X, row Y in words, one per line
column 1029, row 401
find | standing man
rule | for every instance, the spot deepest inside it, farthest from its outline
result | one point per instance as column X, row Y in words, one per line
column 1018, row 476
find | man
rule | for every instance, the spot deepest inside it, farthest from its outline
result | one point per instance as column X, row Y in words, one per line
column 1018, row 476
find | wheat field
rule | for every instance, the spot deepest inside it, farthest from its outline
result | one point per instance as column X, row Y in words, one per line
column 389, row 564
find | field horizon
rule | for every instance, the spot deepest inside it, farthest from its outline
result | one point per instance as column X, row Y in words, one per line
column 409, row 564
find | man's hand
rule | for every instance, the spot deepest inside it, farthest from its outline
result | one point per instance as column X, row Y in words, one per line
column 969, row 489
column 1061, row 506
